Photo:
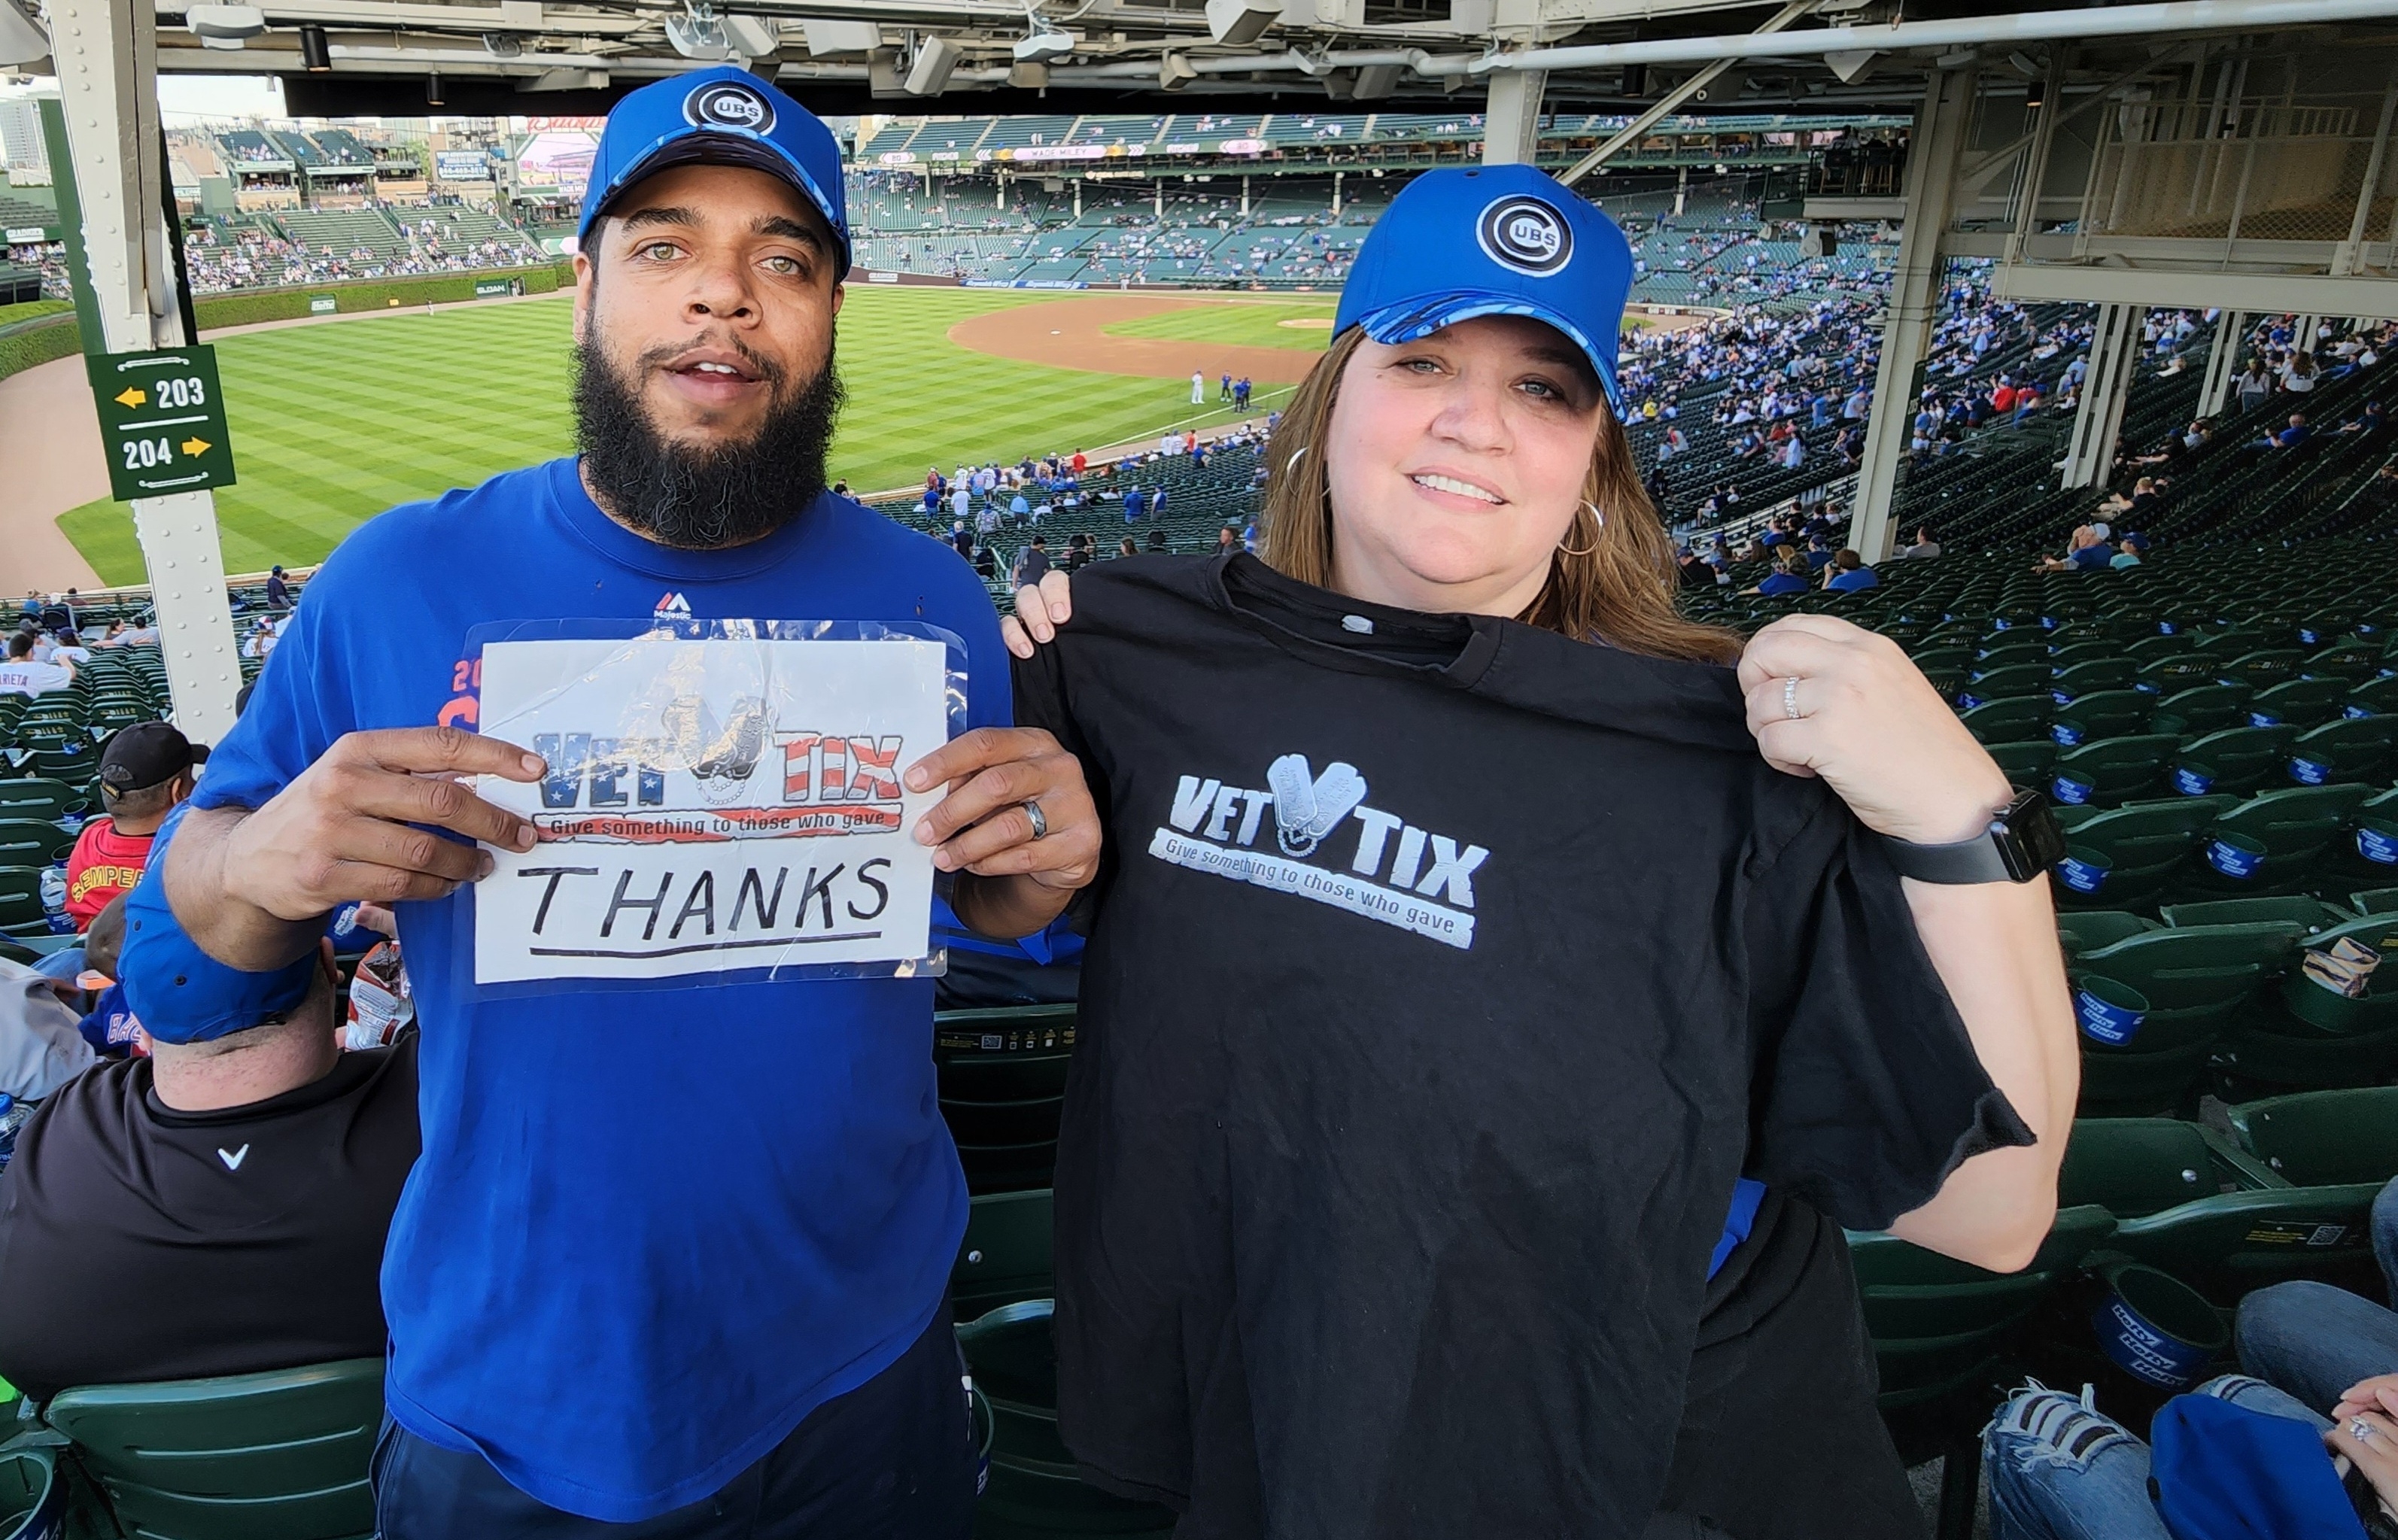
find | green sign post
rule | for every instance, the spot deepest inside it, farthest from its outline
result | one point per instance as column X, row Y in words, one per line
column 163, row 421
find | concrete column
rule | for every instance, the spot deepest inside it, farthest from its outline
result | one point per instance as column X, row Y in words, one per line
column 1000, row 179
column 2114, row 355
column 107, row 56
column 1336, row 194
column 1938, row 147
column 1078, row 197
column 1511, row 125
column 1681, row 188
column 1245, row 197
column 2222, row 362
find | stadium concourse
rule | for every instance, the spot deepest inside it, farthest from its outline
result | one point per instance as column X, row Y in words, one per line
column 2193, row 653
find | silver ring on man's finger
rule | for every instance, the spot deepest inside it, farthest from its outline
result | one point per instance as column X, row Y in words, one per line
column 1790, row 698
column 2359, row 1429
column 1040, row 824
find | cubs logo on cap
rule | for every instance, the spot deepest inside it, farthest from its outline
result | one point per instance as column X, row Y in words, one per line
column 1527, row 234
column 1492, row 240
column 719, row 116
column 730, row 104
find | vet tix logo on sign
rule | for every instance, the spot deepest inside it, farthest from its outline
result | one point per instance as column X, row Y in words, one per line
column 730, row 104
column 1527, row 235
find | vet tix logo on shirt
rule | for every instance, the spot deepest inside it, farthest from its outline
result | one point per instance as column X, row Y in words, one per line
column 1396, row 872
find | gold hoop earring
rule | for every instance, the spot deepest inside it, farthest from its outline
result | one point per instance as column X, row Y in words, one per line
column 1565, row 550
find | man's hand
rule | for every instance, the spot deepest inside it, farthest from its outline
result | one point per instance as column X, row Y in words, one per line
column 982, row 827
column 342, row 830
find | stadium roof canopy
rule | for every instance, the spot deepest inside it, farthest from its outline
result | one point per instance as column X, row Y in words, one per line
column 493, row 57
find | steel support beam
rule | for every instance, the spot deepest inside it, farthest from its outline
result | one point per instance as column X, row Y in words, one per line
column 1938, row 146
column 2259, row 293
column 2222, row 362
column 107, row 52
column 1630, row 133
column 1510, row 126
column 2114, row 355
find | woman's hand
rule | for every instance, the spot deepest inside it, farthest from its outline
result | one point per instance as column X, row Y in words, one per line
column 1871, row 725
column 2375, row 1453
column 1038, row 612
column 2377, row 1393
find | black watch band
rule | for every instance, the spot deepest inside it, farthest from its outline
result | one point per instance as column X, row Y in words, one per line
column 2022, row 842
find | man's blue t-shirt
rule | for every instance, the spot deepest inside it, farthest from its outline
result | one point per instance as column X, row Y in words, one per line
column 649, row 1231
column 2092, row 558
column 1782, row 582
column 1855, row 579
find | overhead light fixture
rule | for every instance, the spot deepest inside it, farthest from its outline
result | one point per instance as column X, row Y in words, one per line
column 829, row 38
column 753, row 36
column 1046, row 41
column 500, row 45
column 1240, row 22
column 1174, row 72
column 433, row 90
column 1850, row 64
column 2036, row 94
column 225, row 26
column 316, row 52
column 697, row 34
column 936, row 59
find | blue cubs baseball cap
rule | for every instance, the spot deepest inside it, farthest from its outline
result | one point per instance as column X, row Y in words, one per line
column 179, row 993
column 719, row 116
column 1492, row 240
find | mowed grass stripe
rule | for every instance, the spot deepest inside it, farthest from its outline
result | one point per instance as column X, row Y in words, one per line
column 334, row 423
column 1246, row 324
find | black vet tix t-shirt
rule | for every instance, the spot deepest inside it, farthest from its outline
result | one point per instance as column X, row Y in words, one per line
column 141, row 1243
column 1444, row 974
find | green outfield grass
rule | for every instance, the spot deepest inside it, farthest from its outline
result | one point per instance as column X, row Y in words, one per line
column 1247, row 323
column 334, row 423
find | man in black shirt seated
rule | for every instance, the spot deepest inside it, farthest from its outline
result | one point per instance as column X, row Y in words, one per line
column 218, row 1208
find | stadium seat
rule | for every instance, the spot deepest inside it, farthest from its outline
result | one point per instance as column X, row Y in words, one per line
column 2359, row 748
column 33, row 1493
column 2195, row 1205
column 2323, row 1138
column 2113, row 771
column 43, row 800
column 2236, row 760
column 2208, row 708
column 2127, row 857
column 1003, row 1086
column 2101, row 714
column 21, row 912
column 27, row 842
column 2195, row 982
column 2269, row 844
column 2317, row 1039
column 280, row 1456
column 1034, row 1492
column 2303, row 702
column 2087, row 930
column 2011, row 720
column 1005, row 1256
column 2097, row 675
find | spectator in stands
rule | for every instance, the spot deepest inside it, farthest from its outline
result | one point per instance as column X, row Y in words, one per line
column 279, row 592
column 68, row 648
column 217, row 1208
column 1692, row 570
column 1790, row 574
column 1227, row 540
column 147, row 770
column 2252, row 385
column 21, row 676
column 1135, row 503
column 1848, row 573
column 1156, row 542
column 2084, row 552
column 1032, row 563
column 1125, row 547
column 1819, row 555
column 32, row 605
column 2372, row 420
column 1924, row 548
column 2298, row 376
column 2127, row 555
column 801, row 1279
column 986, row 563
column 108, row 1025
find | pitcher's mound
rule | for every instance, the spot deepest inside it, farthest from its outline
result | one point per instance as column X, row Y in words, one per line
column 1308, row 322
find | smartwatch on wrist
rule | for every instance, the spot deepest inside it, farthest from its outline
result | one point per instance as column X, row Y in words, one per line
column 2022, row 842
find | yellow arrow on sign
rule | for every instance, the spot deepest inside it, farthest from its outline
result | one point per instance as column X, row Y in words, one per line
column 195, row 446
column 132, row 396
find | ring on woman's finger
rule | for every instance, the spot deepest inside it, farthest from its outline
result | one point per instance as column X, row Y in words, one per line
column 1790, row 698
column 1040, row 823
column 2359, row 1429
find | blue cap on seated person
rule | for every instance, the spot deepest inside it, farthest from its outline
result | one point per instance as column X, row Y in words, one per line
column 719, row 116
column 1492, row 240
column 179, row 993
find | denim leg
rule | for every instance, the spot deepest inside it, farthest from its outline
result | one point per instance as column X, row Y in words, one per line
column 2385, row 1240
column 2314, row 1341
column 2256, row 1396
column 2060, row 1471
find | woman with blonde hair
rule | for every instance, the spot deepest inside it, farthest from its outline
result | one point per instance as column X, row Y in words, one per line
column 1500, row 988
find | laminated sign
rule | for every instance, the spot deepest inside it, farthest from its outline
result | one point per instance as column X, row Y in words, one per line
column 721, row 798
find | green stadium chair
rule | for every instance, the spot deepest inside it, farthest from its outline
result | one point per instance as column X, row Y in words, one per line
column 2312, row 914
column 2154, row 648
column 2009, row 681
column 21, row 913
column 2198, row 1206
column 2196, row 981
column 1005, row 1256
column 2323, row 1138
column 2013, row 720
column 2313, row 1038
column 2237, row 759
column 75, row 766
column 2269, row 843
column 29, row 842
column 34, row 1491
column 2025, row 764
column 2082, row 930
column 1034, row 1490
column 2306, row 703
column 1003, row 1086
column 2208, row 708
column 2069, row 658
column 2183, row 671
column 2113, row 771
column 2133, row 854
column 37, row 800
column 2265, row 667
column 280, row 1456
column 2363, row 748
column 2014, row 652
column 2102, row 714
column 2374, row 697
column 2374, row 901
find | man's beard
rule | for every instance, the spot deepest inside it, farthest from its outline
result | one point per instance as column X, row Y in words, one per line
column 702, row 498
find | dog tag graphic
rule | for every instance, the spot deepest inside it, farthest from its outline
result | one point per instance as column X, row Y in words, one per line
column 1305, row 809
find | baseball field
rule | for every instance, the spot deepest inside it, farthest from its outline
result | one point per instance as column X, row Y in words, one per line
column 334, row 422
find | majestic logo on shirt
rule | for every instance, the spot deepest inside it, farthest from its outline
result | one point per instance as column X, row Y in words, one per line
column 625, row 790
column 729, row 104
column 1525, row 234
column 671, row 606
column 1420, row 881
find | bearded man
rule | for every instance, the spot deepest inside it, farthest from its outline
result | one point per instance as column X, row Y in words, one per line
column 673, row 1263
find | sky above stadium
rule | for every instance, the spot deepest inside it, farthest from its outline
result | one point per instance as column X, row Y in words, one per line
column 189, row 99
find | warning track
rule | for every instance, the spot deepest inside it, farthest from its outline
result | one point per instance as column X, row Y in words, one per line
column 1073, row 334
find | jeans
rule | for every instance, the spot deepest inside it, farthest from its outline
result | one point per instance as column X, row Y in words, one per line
column 892, row 1460
column 63, row 965
column 2314, row 1341
column 2061, row 1471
